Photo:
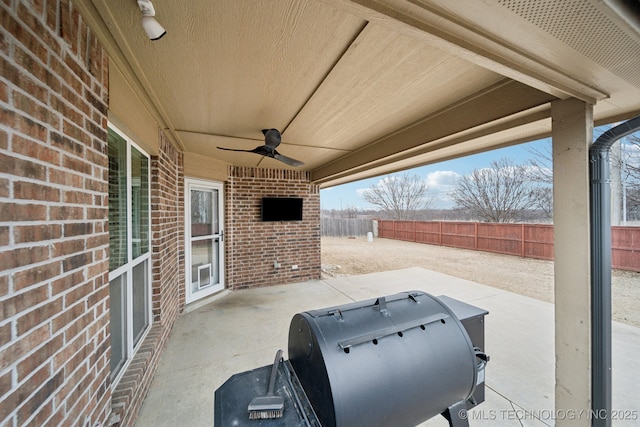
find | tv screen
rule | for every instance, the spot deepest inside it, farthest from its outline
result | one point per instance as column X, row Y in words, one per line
column 281, row 209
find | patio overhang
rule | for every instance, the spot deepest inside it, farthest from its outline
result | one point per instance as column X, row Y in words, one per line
column 366, row 87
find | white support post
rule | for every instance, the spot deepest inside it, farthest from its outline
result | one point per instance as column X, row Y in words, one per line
column 572, row 134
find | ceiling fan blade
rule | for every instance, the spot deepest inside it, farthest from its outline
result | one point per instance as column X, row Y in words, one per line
column 287, row 160
column 234, row 149
column 272, row 139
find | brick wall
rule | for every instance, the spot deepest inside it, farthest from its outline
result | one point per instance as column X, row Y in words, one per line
column 167, row 257
column 54, row 338
column 252, row 246
column 167, row 228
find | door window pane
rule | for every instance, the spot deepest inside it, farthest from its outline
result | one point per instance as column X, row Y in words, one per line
column 140, row 300
column 117, row 295
column 202, row 203
column 117, row 152
column 139, row 202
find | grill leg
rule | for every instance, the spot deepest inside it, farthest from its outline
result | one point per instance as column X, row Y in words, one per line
column 456, row 414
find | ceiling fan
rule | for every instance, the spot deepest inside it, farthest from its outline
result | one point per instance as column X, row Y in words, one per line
column 272, row 139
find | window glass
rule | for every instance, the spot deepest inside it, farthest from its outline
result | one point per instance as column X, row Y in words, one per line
column 117, row 153
column 140, row 317
column 129, row 247
column 117, row 304
column 139, row 203
column 201, row 212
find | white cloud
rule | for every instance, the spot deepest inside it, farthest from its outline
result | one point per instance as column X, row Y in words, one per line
column 442, row 178
column 441, row 184
column 359, row 191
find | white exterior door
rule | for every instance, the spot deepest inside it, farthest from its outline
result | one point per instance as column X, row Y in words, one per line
column 204, row 238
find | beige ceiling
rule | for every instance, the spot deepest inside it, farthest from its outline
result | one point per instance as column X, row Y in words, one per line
column 365, row 87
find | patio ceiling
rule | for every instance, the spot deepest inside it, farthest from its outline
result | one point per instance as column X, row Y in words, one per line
column 366, row 87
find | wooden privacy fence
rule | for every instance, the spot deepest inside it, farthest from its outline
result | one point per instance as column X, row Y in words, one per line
column 525, row 240
column 345, row 227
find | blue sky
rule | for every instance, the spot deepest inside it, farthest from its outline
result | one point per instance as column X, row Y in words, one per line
column 441, row 177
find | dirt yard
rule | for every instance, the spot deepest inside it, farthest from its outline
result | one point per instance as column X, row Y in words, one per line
column 529, row 277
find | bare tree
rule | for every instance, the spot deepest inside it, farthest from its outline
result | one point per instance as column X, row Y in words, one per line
column 631, row 164
column 540, row 171
column 399, row 197
column 501, row 193
column 541, row 164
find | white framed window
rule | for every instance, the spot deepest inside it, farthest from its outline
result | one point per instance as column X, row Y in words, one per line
column 129, row 248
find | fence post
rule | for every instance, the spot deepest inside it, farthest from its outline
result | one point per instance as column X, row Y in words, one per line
column 475, row 236
column 522, row 239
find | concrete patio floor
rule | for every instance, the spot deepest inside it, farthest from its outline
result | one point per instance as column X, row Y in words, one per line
column 242, row 330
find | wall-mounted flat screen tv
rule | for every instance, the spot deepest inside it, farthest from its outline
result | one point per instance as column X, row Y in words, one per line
column 281, row 209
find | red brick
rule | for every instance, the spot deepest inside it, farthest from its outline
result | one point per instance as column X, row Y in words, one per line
column 78, row 326
column 34, row 404
column 22, row 168
column 38, row 315
column 40, row 357
column 78, row 165
column 77, row 197
column 4, row 235
column 11, row 401
column 76, row 261
column 77, row 229
column 24, row 345
column 77, row 294
column 5, row 383
column 35, row 150
column 13, row 258
column 22, row 212
column 67, row 282
column 33, row 191
column 4, row 90
column 36, row 233
column 5, row 337
column 76, row 374
column 4, row 137
column 30, row 276
column 67, row 316
column 66, row 213
column 44, row 412
column 29, row 62
column 4, row 285
column 64, row 142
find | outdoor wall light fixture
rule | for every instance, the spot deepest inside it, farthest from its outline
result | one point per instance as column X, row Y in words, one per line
column 153, row 29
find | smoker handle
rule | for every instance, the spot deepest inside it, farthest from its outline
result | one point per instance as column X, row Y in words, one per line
column 482, row 356
column 274, row 374
column 391, row 330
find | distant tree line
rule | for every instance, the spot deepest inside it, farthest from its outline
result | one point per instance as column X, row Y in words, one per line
column 503, row 192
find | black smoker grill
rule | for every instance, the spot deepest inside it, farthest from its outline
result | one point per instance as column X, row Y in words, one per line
column 392, row 361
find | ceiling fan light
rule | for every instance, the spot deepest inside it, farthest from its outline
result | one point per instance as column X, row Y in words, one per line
column 153, row 29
